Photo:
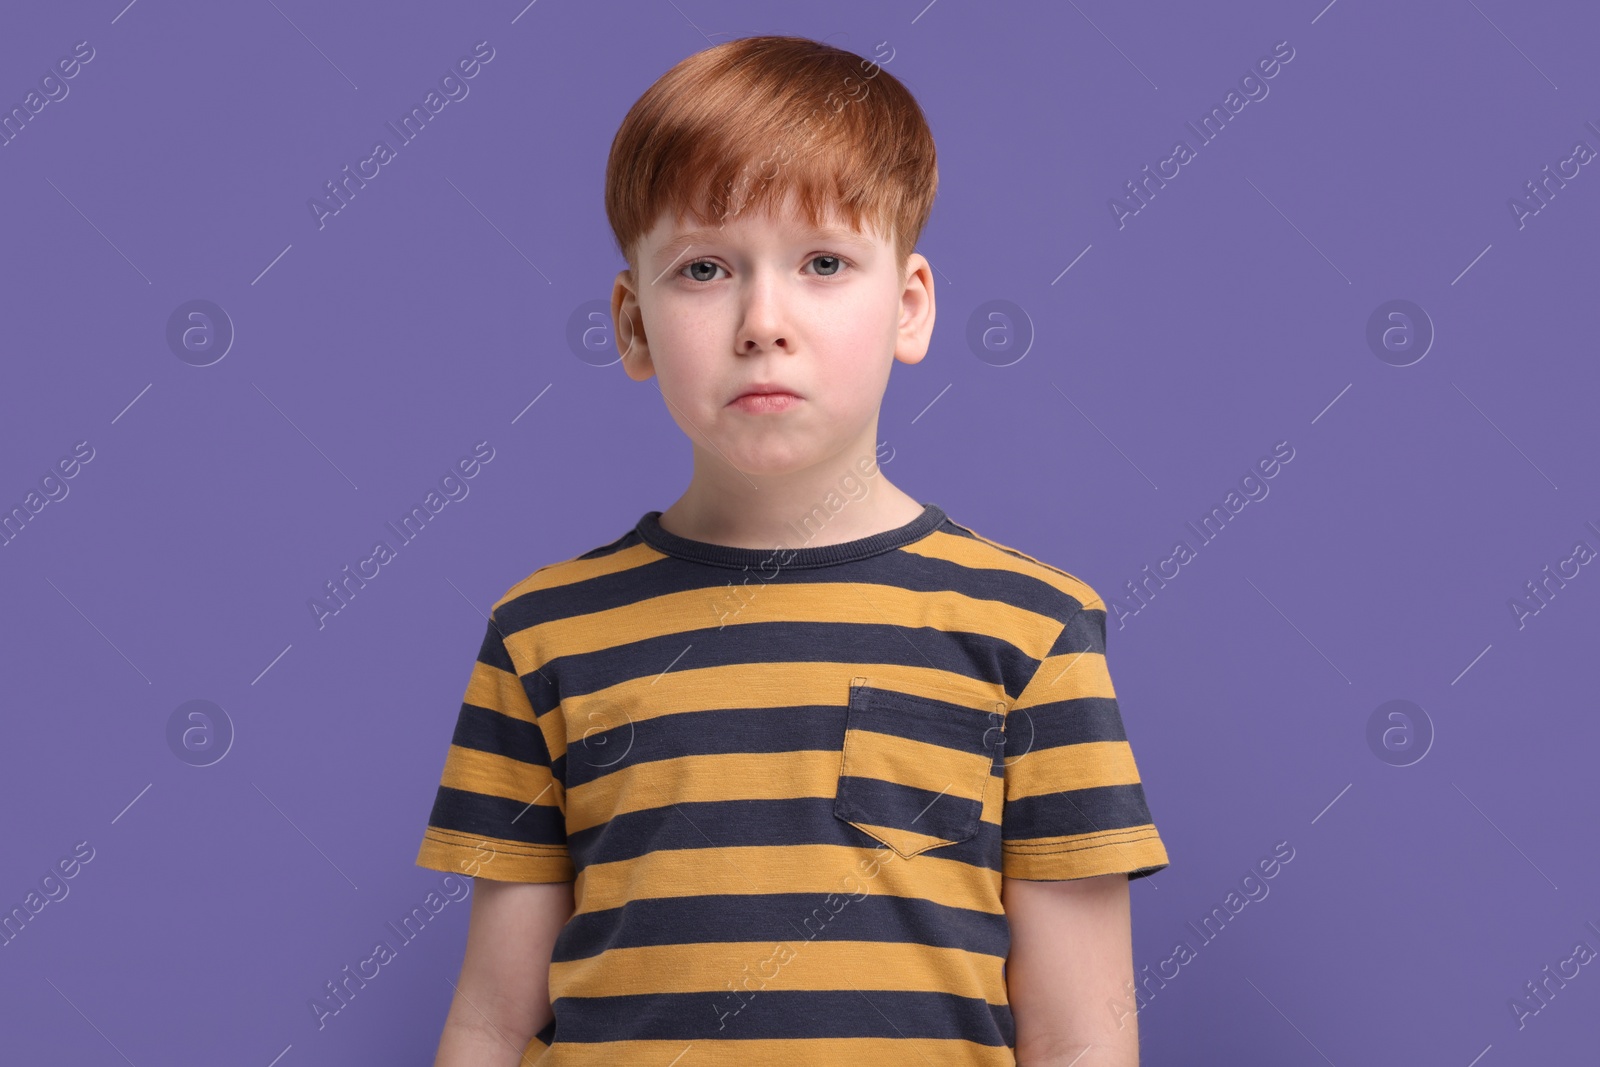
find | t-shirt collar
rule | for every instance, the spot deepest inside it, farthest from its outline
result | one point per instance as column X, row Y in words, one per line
column 793, row 552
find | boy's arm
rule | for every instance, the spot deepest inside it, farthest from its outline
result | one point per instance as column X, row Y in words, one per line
column 1070, row 970
column 503, row 996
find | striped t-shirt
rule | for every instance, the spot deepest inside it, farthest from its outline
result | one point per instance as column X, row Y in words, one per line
column 787, row 784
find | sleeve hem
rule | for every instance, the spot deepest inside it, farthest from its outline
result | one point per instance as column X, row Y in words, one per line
column 488, row 857
column 1137, row 852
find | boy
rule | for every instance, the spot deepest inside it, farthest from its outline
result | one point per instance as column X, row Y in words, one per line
column 798, row 771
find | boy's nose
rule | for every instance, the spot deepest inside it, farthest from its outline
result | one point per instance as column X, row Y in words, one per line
column 765, row 321
column 753, row 345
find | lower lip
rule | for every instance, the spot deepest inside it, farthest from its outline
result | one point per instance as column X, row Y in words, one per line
column 761, row 403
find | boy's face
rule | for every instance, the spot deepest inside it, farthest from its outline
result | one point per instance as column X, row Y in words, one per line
column 763, row 300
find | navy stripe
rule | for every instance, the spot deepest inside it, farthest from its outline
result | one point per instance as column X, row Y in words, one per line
column 772, row 918
column 487, row 730
column 1076, row 811
column 717, row 731
column 1084, row 632
column 493, row 649
column 1063, row 722
column 921, row 718
column 779, row 1014
column 476, row 813
column 669, row 576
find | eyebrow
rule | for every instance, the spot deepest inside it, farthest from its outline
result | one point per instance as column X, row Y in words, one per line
column 674, row 248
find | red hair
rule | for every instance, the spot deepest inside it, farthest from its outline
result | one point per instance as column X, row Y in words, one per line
column 743, row 124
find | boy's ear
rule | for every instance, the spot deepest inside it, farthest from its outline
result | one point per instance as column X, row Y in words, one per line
column 915, row 331
column 628, row 324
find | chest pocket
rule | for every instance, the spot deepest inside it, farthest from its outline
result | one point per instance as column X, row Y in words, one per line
column 915, row 769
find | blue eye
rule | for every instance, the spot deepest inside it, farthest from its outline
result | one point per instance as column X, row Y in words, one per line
column 702, row 263
column 837, row 264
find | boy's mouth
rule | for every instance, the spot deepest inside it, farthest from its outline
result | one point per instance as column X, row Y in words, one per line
column 767, row 390
column 758, row 399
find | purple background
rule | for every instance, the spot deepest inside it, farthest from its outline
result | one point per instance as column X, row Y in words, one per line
column 1229, row 314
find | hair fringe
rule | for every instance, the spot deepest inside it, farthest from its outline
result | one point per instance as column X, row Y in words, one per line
column 744, row 124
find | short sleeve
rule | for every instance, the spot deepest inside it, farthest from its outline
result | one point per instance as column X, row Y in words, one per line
column 1074, row 803
column 500, row 811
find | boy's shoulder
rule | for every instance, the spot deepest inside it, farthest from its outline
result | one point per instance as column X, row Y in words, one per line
column 987, row 553
column 593, row 563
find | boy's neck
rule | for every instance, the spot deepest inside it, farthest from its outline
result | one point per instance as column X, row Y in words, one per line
column 765, row 512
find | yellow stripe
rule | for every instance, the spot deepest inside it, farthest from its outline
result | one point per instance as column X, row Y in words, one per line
column 1067, row 677
column 1078, row 766
column 498, row 690
column 641, row 785
column 802, row 869
column 555, row 575
column 760, row 685
column 919, row 764
column 703, row 609
column 474, row 771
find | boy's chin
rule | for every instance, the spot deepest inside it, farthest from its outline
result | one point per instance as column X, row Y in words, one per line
column 772, row 459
